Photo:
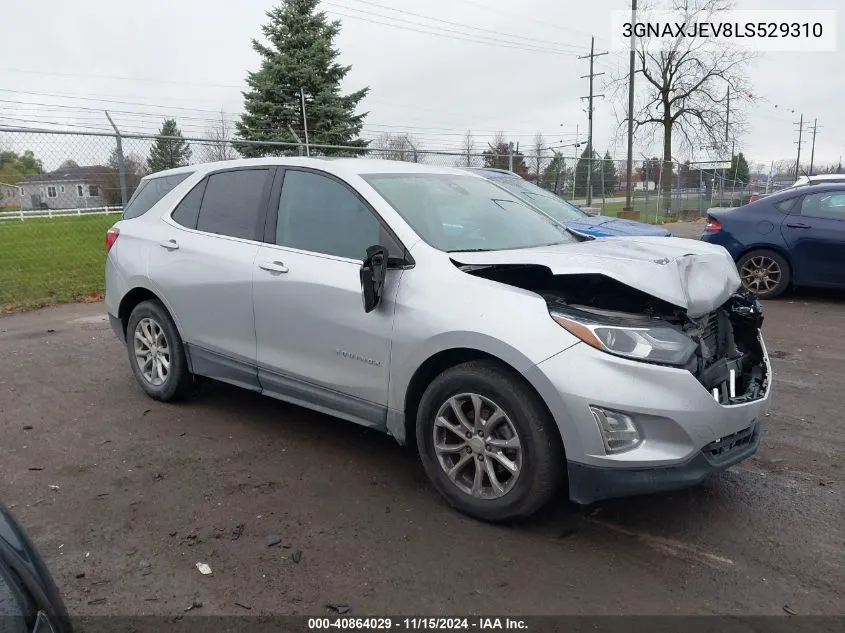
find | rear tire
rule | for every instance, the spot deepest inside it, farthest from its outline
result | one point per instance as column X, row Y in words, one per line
column 764, row 273
column 156, row 353
column 488, row 443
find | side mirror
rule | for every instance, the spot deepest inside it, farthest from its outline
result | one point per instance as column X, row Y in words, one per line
column 373, row 272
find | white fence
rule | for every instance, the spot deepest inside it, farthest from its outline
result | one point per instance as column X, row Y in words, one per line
column 56, row 213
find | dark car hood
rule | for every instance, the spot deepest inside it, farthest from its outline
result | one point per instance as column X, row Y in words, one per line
column 613, row 227
column 696, row 276
column 18, row 553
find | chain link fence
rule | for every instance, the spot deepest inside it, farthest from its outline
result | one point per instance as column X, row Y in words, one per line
column 60, row 192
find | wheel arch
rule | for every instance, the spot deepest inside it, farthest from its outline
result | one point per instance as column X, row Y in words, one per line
column 141, row 293
column 768, row 246
column 403, row 427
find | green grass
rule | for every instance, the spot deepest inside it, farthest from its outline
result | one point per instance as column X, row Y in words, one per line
column 44, row 261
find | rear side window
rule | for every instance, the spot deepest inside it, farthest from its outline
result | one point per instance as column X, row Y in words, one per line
column 149, row 193
column 233, row 204
column 187, row 212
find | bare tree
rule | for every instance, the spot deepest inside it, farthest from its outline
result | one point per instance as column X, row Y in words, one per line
column 539, row 151
column 467, row 147
column 690, row 88
column 220, row 132
column 402, row 147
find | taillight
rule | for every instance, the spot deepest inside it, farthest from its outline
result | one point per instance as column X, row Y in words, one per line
column 713, row 225
column 111, row 237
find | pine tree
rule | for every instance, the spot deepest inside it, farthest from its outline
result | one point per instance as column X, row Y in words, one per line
column 299, row 56
column 581, row 174
column 609, row 178
column 168, row 153
column 739, row 169
column 555, row 173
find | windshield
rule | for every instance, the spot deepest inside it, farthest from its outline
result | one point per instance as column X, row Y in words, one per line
column 466, row 213
column 547, row 202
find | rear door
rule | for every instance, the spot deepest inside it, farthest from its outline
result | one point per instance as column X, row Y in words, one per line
column 815, row 232
column 203, row 265
column 316, row 345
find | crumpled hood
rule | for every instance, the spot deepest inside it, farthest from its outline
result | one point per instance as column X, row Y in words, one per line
column 693, row 275
column 602, row 226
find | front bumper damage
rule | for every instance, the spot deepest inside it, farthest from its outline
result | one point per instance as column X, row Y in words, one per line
column 589, row 484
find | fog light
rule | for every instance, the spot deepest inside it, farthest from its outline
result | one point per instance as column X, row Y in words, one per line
column 618, row 431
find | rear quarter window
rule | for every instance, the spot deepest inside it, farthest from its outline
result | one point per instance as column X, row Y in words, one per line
column 149, row 193
column 787, row 205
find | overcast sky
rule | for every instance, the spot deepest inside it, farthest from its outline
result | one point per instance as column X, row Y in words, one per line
column 188, row 59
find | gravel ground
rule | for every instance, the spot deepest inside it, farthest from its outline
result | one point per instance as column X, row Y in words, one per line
column 293, row 510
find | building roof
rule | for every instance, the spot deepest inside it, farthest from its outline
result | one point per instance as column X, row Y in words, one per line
column 89, row 172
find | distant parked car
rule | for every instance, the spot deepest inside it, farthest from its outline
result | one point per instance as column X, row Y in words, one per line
column 565, row 213
column 820, row 179
column 795, row 237
column 754, row 197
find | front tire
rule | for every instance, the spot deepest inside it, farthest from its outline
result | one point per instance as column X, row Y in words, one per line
column 764, row 273
column 156, row 353
column 488, row 443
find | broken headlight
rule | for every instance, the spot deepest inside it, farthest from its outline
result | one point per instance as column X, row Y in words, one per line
column 649, row 342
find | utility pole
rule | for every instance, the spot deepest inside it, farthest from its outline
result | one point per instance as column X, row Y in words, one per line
column 813, row 150
column 592, row 56
column 633, row 62
column 728, row 116
column 800, row 134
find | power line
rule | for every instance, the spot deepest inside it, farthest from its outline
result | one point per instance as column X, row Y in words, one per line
column 519, row 38
column 119, row 78
column 445, row 34
column 523, row 17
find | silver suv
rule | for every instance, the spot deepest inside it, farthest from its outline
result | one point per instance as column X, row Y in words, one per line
column 434, row 305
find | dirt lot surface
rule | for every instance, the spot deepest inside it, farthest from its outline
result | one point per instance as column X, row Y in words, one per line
column 144, row 491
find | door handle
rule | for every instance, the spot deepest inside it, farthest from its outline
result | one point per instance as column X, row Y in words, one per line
column 273, row 267
column 170, row 245
column 798, row 225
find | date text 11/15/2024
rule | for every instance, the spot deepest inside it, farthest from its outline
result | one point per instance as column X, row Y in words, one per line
column 417, row 624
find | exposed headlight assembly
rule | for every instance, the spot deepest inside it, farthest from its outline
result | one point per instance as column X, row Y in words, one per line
column 652, row 343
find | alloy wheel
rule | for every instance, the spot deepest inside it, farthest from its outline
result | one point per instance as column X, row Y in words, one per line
column 477, row 446
column 152, row 352
column 761, row 274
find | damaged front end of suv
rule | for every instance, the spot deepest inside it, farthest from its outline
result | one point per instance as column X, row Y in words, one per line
column 686, row 312
column 670, row 381
column 723, row 348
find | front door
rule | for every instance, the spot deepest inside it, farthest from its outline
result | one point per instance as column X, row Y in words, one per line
column 815, row 232
column 316, row 345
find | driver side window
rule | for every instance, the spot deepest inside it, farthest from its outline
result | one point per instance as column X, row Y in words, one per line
column 321, row 215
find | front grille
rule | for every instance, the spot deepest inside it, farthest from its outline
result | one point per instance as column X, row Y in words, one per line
column 722, row 449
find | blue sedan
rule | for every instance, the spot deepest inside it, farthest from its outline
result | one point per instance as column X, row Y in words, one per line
column 792, row 238
column 570, row 216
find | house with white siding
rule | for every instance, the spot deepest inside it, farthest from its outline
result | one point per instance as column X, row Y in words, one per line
column 70, row 188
